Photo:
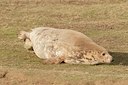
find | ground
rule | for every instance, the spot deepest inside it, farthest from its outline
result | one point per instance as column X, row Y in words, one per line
column 104, row 21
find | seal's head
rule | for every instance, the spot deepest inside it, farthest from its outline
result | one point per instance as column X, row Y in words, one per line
column 90, row 57
column 97, row 57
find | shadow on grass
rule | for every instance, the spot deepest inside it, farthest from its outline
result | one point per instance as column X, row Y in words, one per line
column 119, row 58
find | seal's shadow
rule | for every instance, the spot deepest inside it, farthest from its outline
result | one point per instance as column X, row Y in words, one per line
column 119, row 58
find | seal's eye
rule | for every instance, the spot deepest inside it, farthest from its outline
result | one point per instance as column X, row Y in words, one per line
column 24, row 40
column 103, row 54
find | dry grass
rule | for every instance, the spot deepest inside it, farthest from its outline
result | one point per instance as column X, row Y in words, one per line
column 105, row 21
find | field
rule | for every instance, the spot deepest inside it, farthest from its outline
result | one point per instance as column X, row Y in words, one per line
column 104, row 21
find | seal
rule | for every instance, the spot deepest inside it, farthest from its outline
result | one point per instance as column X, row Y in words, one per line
column 63, row 45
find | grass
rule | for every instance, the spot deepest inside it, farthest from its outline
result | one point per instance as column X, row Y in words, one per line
column 105, row 21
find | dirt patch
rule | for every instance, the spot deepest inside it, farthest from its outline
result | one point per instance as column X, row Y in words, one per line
column 37, row 77
column 3, row 74
column 111, row 82
column 21, row 77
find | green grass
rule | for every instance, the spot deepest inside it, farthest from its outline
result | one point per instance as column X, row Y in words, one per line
column 105, row 21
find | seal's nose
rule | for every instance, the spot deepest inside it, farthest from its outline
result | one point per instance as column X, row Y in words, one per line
column 112, row 60
column 109, row 59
